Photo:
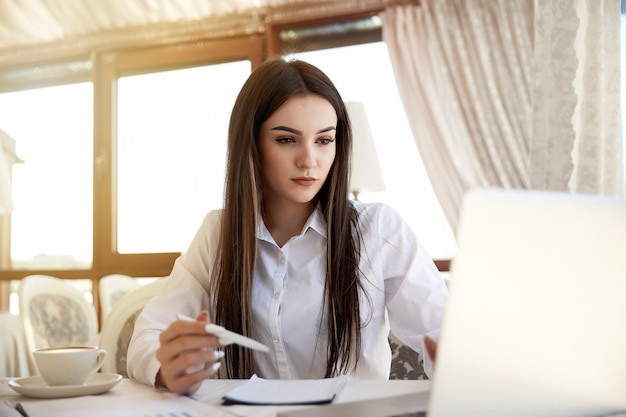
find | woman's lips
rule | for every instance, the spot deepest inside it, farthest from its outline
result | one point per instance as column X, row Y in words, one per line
column 304, row 181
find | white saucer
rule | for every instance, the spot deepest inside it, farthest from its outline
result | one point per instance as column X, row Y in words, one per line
column 34, row 386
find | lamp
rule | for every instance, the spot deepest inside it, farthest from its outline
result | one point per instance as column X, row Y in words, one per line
column 366, row 173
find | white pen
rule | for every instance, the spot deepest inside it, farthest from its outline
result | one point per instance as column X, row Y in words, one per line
column 227, row 337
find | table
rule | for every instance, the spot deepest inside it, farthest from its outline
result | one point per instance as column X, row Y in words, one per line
column 383, row 392
column 14, row 360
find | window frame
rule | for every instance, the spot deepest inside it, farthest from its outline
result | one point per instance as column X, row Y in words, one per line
column 102, row 64
column 108, row 68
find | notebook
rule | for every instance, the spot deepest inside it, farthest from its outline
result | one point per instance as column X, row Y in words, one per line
column 536, row 320
column 260, row 391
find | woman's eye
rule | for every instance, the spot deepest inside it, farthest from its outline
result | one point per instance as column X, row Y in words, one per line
column 325, row 141
column 285, row 140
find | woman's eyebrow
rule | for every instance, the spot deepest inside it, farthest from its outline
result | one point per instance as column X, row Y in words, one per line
column 297, row 132
column 328, row 129
column 287, row 129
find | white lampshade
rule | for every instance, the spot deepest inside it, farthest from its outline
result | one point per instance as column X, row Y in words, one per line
column 366, row 173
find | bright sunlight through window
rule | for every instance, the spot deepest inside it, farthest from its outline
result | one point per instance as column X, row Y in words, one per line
column 363, row 73
column 51, row 225
column 171, row 149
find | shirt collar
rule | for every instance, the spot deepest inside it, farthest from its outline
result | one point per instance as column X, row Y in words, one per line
column 316, row 221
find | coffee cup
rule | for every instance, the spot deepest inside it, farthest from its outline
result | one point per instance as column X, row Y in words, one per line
column 68, row 365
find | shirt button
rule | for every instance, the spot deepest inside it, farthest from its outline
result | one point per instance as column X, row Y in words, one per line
column 275, row 340
column 276, row 295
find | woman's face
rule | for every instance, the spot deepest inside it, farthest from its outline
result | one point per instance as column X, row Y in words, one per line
column 297, row 148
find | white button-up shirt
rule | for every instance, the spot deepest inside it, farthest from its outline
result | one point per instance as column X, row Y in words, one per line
column 403, row 290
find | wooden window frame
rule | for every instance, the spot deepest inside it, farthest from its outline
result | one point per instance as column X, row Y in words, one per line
column 108, row 66
column 130, row 56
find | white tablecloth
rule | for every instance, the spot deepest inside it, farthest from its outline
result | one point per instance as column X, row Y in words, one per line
column 14, row 360
column 131, row 399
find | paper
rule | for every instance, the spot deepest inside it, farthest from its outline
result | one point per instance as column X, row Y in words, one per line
column 259, row 391
column 406, row 405
column 149, row 404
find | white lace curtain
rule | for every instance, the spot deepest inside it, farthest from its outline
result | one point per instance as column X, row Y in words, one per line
column 513, row 94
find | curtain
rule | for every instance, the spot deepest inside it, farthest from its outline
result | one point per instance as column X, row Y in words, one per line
column 576, row 143
column 511, row 94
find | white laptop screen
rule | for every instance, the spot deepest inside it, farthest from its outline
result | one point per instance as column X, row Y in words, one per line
column 536, row 320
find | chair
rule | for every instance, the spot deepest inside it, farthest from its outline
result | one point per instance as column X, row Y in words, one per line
column 118, row 327
column 405, row 362
column 112, row 288
column 54, row 313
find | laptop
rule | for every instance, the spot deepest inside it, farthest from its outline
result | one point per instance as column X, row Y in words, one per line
column 536, row 320
column 535, row 324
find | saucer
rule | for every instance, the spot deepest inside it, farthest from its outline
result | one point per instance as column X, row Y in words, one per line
column 34, row 386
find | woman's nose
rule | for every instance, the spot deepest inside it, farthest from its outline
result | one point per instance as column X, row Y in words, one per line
column 306, row 157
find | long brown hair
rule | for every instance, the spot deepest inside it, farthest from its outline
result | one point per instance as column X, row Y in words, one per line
column 267, row 88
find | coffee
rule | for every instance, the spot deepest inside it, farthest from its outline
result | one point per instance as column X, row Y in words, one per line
column 64, row 349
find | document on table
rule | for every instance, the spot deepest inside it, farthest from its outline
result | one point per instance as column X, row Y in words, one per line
column 406, row 405
column 259, row 391
column 149, row 404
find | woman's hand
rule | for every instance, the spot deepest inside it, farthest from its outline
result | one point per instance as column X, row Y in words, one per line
column 431, row 348
column 187, row 355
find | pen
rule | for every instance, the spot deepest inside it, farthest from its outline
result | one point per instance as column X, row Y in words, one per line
column 226, row 336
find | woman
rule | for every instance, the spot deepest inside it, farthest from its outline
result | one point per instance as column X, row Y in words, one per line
column 290, row 261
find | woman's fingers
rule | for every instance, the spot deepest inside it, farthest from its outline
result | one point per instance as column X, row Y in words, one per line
column 182, row 327
column 203, row 316
column 187, row 355
column 431, row 347
column 185, row 383
column 184, row 374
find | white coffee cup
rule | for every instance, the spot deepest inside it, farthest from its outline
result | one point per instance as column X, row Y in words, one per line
column 68, row 365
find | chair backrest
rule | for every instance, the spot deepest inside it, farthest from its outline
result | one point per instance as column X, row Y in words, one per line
column 112, row 288
column 405, row 362
column 55, row 313
column 118, row 327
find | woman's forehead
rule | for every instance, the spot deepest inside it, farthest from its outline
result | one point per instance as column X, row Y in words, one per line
column 305, row 109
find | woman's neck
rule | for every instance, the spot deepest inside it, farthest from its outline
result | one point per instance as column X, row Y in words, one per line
column 285, row 221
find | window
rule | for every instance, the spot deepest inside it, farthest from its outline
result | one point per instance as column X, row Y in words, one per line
column 124, row 146
column 163, row 113
column 172, row 136
column 51, row 226
column 112, row 163
column 362, row 72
